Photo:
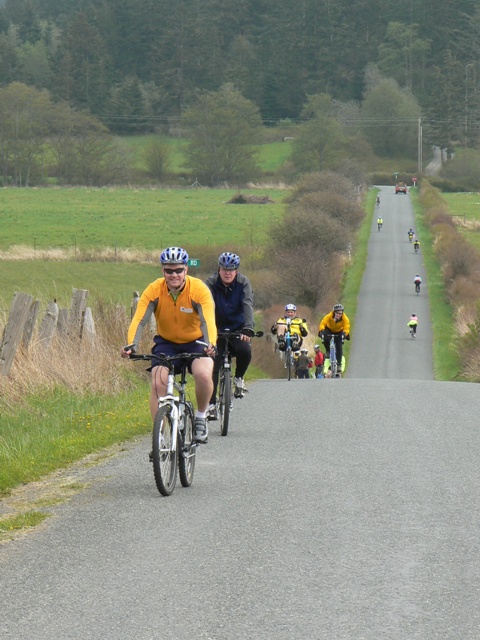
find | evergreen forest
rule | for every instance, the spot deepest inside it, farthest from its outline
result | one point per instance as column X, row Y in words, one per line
column 137, row 66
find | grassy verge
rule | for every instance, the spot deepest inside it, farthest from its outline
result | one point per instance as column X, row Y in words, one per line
column 446, row 361
column 57, row 427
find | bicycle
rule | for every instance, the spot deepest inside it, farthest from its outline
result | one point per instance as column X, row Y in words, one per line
column 289, row 364
column 173, row 440
column 417, row 288
column 380, row 224
column 416, row 246
column 334, row 365
column 410, row 237
column 225, row 399
column 413, row 332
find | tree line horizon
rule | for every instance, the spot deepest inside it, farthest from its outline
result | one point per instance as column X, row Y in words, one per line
column 138, row 65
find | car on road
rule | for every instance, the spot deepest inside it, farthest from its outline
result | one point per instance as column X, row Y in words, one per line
column 401, row 187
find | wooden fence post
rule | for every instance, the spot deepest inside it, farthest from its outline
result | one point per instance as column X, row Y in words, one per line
column 133, row 307
column 77, row 312
column 18, row 318
column 62, row 323
column 88, row 325
column 30, row 324
column 48, row 324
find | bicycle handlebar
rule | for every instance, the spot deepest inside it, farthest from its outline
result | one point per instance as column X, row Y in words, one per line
column 165, row 360
column 237, row 334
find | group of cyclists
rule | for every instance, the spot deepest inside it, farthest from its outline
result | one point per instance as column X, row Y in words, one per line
column 188, row 313
column 417, row 281
column 335, row 324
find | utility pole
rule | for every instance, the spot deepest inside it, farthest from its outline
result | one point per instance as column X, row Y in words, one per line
column 420, row 147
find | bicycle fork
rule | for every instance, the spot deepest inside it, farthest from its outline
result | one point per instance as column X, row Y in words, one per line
column 171, row 402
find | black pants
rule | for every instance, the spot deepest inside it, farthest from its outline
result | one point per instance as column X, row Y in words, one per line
column 338, row 337
column 241, row 350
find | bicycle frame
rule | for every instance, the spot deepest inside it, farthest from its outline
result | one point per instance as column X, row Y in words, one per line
column 225, row 399
column 288, row 350
column 172, row 409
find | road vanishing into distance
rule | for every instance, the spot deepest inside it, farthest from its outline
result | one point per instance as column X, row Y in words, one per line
column 335, row 509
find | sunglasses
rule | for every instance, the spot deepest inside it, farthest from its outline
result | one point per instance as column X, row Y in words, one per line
column 172, row 271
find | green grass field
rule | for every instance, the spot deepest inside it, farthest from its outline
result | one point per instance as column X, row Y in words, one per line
column 271, row 156
column 467, row 207
column 132, row 218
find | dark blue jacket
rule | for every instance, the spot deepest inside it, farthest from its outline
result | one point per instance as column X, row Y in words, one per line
column 233, row 304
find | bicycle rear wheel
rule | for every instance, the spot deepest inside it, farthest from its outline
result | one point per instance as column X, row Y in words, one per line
column 164, row 457
column 187, row 448
column 225, row 400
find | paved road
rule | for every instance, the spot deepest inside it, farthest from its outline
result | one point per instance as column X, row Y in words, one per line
column 335, row 509
column 381, row 343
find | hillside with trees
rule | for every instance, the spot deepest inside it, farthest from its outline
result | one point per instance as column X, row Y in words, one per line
column 138, row 65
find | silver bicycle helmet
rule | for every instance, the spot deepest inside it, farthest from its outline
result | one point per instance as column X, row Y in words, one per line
column 338, row 307
column 174, row 255
column 229, row 260
column 290, row 307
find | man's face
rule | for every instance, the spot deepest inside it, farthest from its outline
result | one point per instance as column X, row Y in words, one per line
column 175, row 275
column 290, row 313
column 339, row 314
column 227, row 276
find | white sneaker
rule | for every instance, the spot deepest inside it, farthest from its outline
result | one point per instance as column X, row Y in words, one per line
column 201, row 430
column 212, row 412
column 239, row 390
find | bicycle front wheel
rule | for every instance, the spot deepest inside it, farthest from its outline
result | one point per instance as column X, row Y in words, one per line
column 289, row 358
column 225, row 400
column 187, row 448
column 164, row 456
column 333, row 362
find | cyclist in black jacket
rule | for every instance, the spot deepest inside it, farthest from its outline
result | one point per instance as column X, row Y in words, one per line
column 233, row 296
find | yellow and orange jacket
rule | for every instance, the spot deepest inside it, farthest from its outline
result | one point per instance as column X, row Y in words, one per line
column 328, row 322
column 298, row 326
column 188, row 316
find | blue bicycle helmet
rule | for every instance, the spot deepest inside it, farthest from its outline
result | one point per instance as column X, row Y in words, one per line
column 290, row 307
column 228, row 260
column 174, row 255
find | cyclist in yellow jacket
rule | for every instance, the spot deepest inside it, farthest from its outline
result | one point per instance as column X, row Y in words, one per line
column 297, row 326
column 184, row 312
column 335, row 324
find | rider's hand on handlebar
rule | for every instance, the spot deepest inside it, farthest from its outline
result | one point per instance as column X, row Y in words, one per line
column 211, row 350
column 347, row 337
column 247, row 333
column 127, row 350
column 321, row 335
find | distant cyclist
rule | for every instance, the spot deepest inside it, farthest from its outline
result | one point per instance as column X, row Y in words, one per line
column 416, row 245
column 298, row 328
column 411, row 233
column 380, row 223
column 378, row 200
column 335, row 324
column 412, row 323
column 233, row 296
column 417, row 281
